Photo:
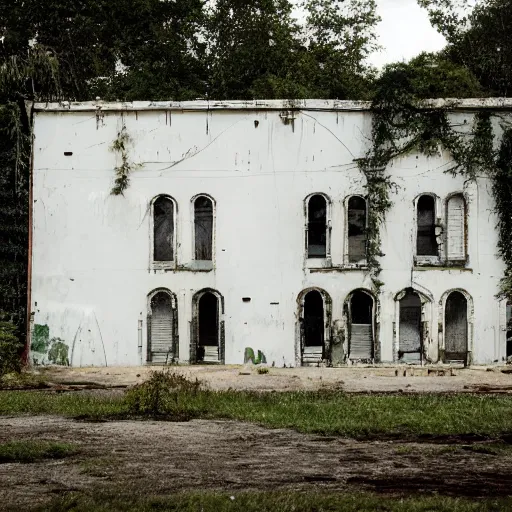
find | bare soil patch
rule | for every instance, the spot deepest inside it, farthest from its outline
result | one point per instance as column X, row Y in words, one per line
column 352, row 380
column 162, row 458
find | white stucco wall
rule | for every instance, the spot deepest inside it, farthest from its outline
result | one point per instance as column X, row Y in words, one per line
column 91, row 251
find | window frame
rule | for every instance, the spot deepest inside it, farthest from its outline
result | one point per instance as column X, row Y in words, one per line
column 163, row 265
column 203, row 264
column 422, row 259
column 346, row 256
column 326, row 261
column 458, row 262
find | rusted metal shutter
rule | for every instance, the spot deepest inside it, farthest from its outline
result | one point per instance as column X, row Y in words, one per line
column 161, row 333
column 456, row 228
column 361, row 341
column 211, row 354
column 312, row 355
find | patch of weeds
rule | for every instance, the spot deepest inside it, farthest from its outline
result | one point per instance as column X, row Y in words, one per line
column 404, row 449
column 262, row 370
column 488, row 448
column 32, row 451
column 22, row 380
column 284, row 501
column 99, row 468
column 166, row 394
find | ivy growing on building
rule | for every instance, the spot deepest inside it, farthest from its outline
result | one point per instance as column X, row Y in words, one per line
column 403, row 123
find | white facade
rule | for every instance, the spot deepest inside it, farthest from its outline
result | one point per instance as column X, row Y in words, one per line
column 93, row 274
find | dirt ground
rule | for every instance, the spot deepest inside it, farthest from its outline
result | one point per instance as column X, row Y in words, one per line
column 163, row 458
column 355, row 379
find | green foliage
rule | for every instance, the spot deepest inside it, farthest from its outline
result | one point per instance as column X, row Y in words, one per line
column 123, row 170
column 33, row 451
column 479, row 38
column 10, row 348
column 276, row 501
column 166, row 393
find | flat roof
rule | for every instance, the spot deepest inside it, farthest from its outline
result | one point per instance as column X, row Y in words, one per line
column 318, row 105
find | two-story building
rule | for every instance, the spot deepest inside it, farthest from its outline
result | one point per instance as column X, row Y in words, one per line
column 242, row 231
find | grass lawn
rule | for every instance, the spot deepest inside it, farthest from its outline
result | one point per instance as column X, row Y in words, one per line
column 325, row 412
column 270, row 501
column 33, row 451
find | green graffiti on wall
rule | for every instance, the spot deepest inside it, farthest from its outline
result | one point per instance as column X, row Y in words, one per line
column 249, row 356
column 40, row 338
column 55, row 349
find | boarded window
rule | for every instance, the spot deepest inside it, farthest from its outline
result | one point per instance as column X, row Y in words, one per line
column 426, row 238
column 317, row 227
column 163, row 229
column 409, row 348
column 313, row 327
column 356, row 229
column 456, row 226
column 203, row 226
column 361, row 326
column 160, row 344
column 208, row 325
column 456, row 327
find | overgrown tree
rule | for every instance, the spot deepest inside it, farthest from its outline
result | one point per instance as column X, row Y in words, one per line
column 478, row 38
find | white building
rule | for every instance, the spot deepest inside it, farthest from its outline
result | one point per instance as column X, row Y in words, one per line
column 242, row 231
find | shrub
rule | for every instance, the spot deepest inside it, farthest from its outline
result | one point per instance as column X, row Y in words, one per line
column 10, row 348
column 262, row 370
column 164, row 394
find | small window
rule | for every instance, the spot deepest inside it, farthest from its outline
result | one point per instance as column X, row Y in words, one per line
column 317, row 227
column 203, row 228
column 163, row 229
column 426, row 244
column 356, row 214
column 456, row 228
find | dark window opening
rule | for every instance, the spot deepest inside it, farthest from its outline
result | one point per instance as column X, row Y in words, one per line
column 208, row 324
column 163, row 229
column 426, row 244
column 409, row 348
column 203, row 225
column 313, row 319
column 356, row 229
column 317, row 227
column 456, row 327
column 161, row 342
column 361, row 306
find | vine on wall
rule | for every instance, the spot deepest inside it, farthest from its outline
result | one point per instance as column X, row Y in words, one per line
column 123, row 170
column 402, row 124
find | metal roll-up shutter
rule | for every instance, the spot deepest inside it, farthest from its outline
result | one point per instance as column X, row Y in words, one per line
column 455, row 230
column 361, row 341
column 161, row 332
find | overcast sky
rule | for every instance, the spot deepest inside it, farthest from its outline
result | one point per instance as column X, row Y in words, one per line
column 404, row 32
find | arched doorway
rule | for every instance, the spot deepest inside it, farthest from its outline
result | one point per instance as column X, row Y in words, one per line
column 208, row 329
column 161, row 347
column 410, row 344
column 456, row 327
column 313, row 328
column 360, row 326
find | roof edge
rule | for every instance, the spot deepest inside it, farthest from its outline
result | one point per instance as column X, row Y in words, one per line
column 203, row 105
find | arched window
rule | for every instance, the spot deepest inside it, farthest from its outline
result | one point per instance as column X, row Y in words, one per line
column 426, row 244
column 456, row 327
column 317, row 227
column 456, row 228
column 203, row 228
column 163, row 229
column 356, row 216
column 162, row 329
column 360, row 331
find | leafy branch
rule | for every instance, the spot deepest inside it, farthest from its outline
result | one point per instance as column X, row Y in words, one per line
column 122, row 171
